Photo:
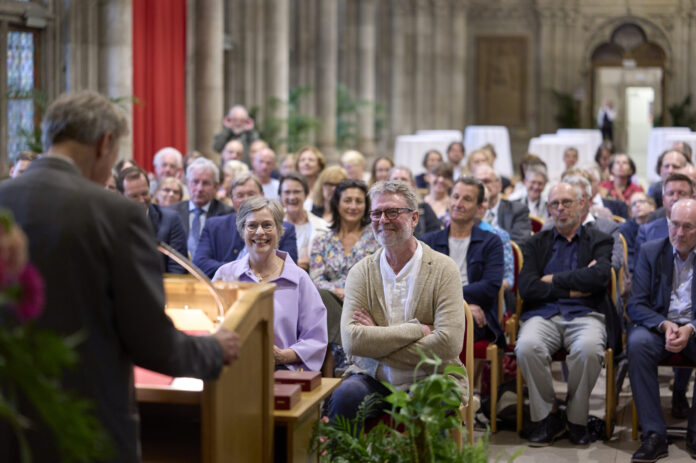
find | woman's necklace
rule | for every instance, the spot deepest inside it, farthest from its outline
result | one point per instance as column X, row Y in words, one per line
column 261, row 276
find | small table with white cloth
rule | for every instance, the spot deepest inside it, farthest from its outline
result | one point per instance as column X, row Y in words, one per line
column 477, row 136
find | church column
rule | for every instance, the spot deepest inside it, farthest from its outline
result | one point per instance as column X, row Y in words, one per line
column 327, row 77
column 401, row 101
column 424, row 67
column 81, row 45
column 209, row 90
column 277, row 63
column 459, row 71
column 546, row 70
column 442, row 74
column 116, row 59
column 367, row 38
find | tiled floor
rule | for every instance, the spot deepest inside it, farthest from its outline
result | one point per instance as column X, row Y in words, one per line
column 619, row 449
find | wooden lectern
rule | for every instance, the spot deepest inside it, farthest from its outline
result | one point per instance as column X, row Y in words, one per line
column 237, row 409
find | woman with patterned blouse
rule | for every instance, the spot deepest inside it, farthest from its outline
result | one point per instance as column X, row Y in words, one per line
column 334, row 252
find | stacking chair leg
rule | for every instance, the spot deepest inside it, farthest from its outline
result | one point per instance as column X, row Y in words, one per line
column 520, row 399
column 634, row 421
column 610, row 403
column 494, row 356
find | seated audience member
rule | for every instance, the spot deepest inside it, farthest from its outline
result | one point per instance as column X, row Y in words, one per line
column 621, row 187
column 427, row 220
column 641, row 207
column 202, row 177
column 166, row 224
column 477, row 158
column 380, row 169
column 168, row 162
column 532, row 196
column 111, row 183
column 527, row 160
column 299, row 317
column 455, row 156
column 604, row 153
column 669, row 162
column 422, row 307
column 24, row 159
column 287, row 164
column 354, row 163
column 334, row 252
column 690, row 171
column 599, row 202
column 220, row 243
column 512, row 217
column 124, row 164
column 430, row 160
column 231, row 170
column 662, row 323
column 507, row 185
column 293, row 191
column 477, row 253
column 441, row 182
column 563, row 283
column 236, row 125
column 570, row 157
column 262, row 164
column 684, row 147
column 169, row 191
column 254, row 148
column 233, row 151
column 323, row 191
column 310, row 163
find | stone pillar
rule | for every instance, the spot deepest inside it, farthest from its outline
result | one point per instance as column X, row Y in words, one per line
column 327, row 77
column 442, row 75
column 209, row 104
column 81, row 45
column 367, row 38
column 277, row 62
column 401, row 101
column 691, row 70
column 459, row 69
column 307, row 44
column 546, row 71
column 116, row 60
column 424, row 66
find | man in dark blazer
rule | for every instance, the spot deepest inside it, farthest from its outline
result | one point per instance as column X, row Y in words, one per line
column 202, row 177
column 513, row 217
column 221, row 243
column 479, row 255
column 563, row 284
column 133, row 183
column 102, row 274
column 663, row 322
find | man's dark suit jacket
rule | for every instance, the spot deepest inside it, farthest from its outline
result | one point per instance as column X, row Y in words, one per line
column 616, row 207
column 651, row 290
column 169, row 229
column 593, row 245
column 484, row 267
column 103, row 280
column 427, row 220
column 651, row 231
column 221, row 243
column 513, row 217
column 216, row 209
column 658, row 213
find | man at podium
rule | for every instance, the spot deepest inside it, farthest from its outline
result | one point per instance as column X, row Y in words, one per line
column 102, row 273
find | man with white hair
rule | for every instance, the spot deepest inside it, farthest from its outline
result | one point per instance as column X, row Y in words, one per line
column 168, row 162
column 262, row 166
column 202, row 177
column 236, row 125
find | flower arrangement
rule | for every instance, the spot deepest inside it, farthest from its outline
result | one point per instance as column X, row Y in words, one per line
column 32, row 360
column 422, row 419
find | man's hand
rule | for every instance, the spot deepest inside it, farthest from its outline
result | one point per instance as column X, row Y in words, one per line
column 13, row 250
column 479, row 315
column 547, row 278
column 340, row 292
column 363, row 318
column 426, row 329
column 574, row 293
column 676, row 337
column 591, row 264
column 229, row 341
column 284, row 356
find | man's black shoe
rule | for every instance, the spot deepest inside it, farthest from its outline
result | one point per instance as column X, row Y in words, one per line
column 578, row 434
column 691, row 444
column 653, row 447
column 680, row 406
column 547, row 430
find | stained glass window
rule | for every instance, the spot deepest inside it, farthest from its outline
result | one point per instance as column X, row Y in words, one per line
column 20, row 86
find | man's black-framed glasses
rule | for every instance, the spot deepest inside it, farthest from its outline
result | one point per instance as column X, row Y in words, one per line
column 391, row 213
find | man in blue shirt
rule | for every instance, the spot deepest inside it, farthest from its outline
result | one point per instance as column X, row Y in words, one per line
column 563, row 283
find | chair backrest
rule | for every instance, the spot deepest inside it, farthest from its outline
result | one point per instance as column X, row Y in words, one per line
column 519, row 260
column 537, row 223
column 619, row 219
column 467, row 354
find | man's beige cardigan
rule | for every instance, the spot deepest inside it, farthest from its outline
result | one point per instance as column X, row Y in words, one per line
column 438, row 301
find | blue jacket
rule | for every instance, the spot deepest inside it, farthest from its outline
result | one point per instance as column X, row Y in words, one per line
column 220, row 243
column 651, row 290
column 484, row 267
column 651, row 231
column 168, row 228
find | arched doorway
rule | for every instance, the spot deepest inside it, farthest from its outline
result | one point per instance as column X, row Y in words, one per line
column 628, row 70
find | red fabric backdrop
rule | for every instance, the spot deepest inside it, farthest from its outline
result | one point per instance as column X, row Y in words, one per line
column 159, row 77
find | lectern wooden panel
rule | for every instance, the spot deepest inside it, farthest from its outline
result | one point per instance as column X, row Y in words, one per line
column 237, row 409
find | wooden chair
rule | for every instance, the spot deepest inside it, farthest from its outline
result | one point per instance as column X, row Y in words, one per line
column 610, row 393
column 467, row 358
column 618, row 219
column 511, row 324
column 537, row 223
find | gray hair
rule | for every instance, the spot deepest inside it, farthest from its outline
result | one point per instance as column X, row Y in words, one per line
column 536, row 170
column 241, row 179
column 397, row 188
column 203, row 164
column 256, row 203
column 84, row 117
column 405, row 169
column 158, row 155
column 581, row 182
column 575, row 186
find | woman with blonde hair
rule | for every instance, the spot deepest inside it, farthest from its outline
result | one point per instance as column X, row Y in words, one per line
column 354, row 163
column 323, row 191
column 310, row 163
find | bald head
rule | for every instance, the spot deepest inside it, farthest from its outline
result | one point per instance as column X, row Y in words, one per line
column 682, row 227
column 486, row 175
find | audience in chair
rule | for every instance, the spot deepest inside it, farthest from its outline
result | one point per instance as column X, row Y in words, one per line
column 563, row 284
column 400, row 300
column 641, row 207
column 430, row 160
column 427, row 220
column 662, row 323
column 669, row 162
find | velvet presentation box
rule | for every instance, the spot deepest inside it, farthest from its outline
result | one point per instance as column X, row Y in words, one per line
column 309, row 380
column 286, row 395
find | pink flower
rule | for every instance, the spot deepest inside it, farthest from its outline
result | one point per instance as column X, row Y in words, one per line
column 31, row 302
